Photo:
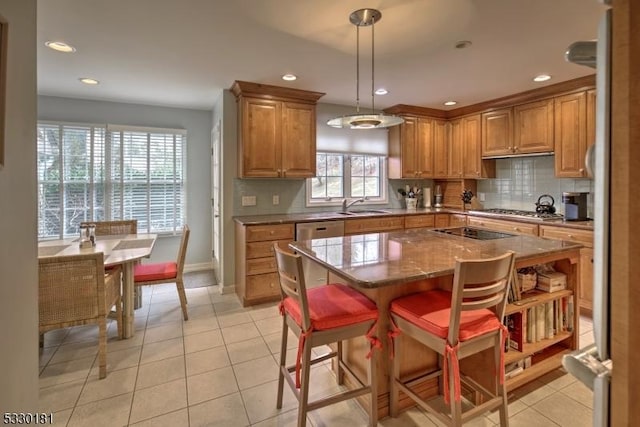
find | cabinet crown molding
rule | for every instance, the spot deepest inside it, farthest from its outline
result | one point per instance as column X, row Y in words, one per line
column 259, row 90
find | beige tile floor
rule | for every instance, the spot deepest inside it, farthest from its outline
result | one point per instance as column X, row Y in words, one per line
column 219, row 368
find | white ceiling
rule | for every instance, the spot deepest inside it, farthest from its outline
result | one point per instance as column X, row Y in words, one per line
column 183, row 52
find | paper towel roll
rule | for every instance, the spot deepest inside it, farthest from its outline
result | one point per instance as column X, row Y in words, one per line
column 426, row 197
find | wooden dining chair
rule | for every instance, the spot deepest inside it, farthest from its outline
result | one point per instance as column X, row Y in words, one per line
column 323, row 315
column 114, row 228
column 74, row 290
column 457, row 324
column 166, row 272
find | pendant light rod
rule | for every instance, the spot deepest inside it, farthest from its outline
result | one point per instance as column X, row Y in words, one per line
column 365, row 18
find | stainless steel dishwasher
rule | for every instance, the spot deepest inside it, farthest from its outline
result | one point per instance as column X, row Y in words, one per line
column 314, row 274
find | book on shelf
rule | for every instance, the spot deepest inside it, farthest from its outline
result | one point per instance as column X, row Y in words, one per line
column 541, row 327
column 548, row 321
column 516, row 324
column 531, row 323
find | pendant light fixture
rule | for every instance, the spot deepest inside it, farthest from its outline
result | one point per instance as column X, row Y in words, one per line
column 372, row 120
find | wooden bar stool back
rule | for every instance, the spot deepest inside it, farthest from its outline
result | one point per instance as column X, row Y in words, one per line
column 320, row 316
column 456, row 325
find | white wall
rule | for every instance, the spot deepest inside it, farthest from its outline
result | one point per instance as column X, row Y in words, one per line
column 18, row 224
column 198, row 126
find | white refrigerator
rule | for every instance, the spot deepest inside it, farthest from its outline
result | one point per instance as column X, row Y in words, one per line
column 592, row 365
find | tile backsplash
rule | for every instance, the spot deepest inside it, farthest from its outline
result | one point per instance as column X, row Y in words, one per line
column 520, row 182
column 292, row 195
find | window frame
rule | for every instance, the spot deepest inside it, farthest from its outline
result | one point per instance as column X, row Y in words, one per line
column 111, row 178
column 383, row 199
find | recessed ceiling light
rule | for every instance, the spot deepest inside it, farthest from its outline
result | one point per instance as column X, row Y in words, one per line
column 542, row 78
column 60, row 46
column 89, row 81
column 462, row 44
column 449, row 103
column 381, row 91
column 289, row 77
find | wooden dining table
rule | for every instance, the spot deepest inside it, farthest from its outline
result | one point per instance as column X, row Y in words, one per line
column 122, row 250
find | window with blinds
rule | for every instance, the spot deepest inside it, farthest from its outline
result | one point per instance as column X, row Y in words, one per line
column 97, row 172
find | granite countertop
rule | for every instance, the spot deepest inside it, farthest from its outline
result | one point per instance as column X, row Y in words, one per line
column 336, row 215
column 380, row 259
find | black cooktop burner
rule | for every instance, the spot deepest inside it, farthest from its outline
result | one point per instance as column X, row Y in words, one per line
column 473, row 233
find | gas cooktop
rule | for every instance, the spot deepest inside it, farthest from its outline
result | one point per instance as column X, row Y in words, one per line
column 521, row 214
column 473, row 233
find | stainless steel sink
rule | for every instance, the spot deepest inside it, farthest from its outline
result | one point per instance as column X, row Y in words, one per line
column 364, row 212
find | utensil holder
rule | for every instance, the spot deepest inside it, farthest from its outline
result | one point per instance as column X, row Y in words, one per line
column 411, row 203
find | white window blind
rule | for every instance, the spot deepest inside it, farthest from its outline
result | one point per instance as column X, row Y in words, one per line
column 97, row 172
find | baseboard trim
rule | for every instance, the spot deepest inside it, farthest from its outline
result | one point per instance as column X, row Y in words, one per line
column 225, row 290
column 188, row 268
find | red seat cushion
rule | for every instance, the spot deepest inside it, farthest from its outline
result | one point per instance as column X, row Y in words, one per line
column 333, row 306
column 431, row 311
column 159, row 271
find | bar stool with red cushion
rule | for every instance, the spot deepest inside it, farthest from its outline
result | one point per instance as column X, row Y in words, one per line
column 457, row 324
column 166, row 272
column 320, row 316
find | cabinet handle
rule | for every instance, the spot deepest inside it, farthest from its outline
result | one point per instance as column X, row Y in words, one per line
column 515, row 148
column 510, row 148
column 516, row 228
column 581, row 170
column 570, row 236
column 278, row 172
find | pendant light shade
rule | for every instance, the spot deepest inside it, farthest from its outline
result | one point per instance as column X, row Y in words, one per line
column 371, row 120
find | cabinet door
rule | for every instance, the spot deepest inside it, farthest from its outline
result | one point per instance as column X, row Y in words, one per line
column 424, row 148
column 570, row 113
column 457, row 220
column 408, row 153
column 533, row 127
column 260, row 138
column 440, row 148
column 455, row 150
column 497, row 132
column 586, row 279
column 471, row 155
column 298, row 140
column 591, row 118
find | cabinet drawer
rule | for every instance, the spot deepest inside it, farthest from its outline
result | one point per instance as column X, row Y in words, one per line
column 574, row 235
column 417, row 221
column 263, row 285
column 261, row 265
column 258, row 233
column 505, row 226
column 264, row 249
column 457, row 220
column 371, row 225
column 442, row 220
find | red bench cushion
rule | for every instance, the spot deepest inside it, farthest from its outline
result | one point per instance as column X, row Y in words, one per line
column 159, row 271
column 431, row 311
column 333, row 306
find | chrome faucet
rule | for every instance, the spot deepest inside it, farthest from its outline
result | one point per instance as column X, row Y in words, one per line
column 346, row 205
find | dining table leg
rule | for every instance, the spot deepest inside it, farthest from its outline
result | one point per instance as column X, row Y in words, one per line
column 127, row 300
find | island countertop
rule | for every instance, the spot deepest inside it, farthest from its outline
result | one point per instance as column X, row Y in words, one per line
column 380, row 259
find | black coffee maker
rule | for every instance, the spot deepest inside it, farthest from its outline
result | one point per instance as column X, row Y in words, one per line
column 575, row 206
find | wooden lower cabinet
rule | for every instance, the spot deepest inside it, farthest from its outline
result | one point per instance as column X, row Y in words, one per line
column 503, row 225
column 256, row 273
column 585, row 276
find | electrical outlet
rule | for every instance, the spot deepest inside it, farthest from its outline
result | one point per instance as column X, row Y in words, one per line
column 481, row 197
column 248, row 200
column 276, row 199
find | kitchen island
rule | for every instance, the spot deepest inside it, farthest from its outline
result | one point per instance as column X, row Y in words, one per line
column 385, row 266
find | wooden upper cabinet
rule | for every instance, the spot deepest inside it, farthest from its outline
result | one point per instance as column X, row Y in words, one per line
column 533, row 127
column 570, row 135
column 411, row 148
column 456, row 148
column 441, row 139
column 298, row 140
column 277, row 131
column 471, row 154
column 260, row 129
column 497, row 132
